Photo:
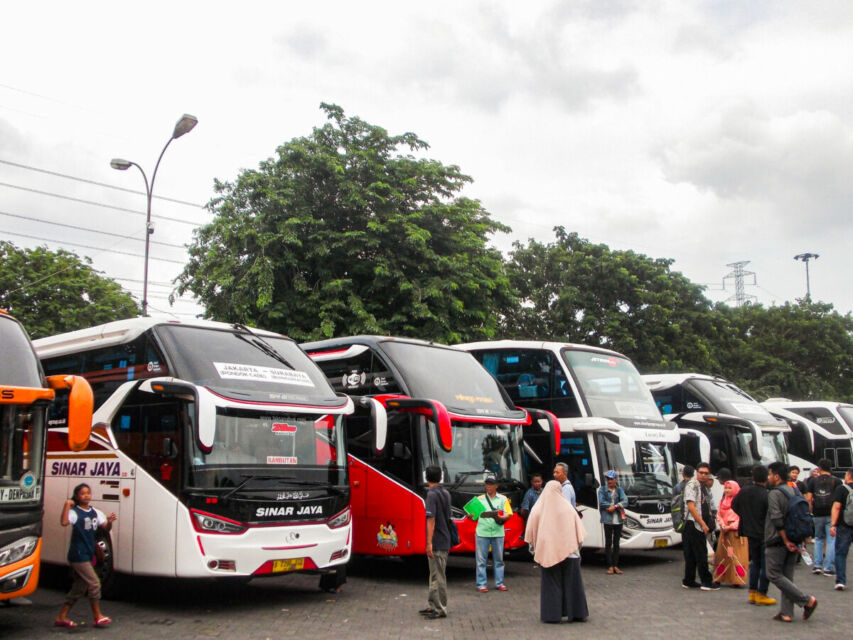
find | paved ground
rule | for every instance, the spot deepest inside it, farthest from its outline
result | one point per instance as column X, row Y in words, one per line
column 381, row 599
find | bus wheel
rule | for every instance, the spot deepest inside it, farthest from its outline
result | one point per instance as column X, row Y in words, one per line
column 333, row 581
column 104, row 565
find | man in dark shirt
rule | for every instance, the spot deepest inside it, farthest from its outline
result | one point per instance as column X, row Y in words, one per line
column 780, row 553
column 819, row 492
column 437, row 544
column 750, row 503
column 841, row 531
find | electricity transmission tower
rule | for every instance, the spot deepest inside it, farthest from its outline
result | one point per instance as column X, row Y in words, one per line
column 738, row 274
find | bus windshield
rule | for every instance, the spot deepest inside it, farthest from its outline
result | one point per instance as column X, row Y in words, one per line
column 728, row 398
column 19, row 364
column 846, row 412
column 650, row 476
column 773, row 448
column 21, row 453
column 611, row 386
column 478, row 450
column 452, row 377
column 244, row 366
column 252, row 444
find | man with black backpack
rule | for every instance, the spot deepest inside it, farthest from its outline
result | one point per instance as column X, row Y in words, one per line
column 819, row 494
column 786, row 527
column 438, row 543
column 842, row 528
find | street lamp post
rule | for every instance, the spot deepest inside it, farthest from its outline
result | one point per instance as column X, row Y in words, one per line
column 805, row 257
column 184, row 125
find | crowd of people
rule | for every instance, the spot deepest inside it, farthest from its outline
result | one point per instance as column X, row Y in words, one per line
column 754, row 537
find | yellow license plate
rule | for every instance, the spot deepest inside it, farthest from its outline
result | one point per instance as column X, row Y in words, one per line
column 661, row 542
column 293, row 564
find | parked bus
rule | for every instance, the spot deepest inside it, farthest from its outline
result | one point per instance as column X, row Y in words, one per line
column 819, row 429
column 444, row 409
column 220, row 448
column 607, row 420
column 719, row 423
column 25, row 394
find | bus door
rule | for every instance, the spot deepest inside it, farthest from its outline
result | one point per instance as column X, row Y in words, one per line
column 150, row 430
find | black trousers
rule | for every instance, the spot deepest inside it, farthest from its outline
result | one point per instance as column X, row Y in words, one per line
column 695, row 555
column 612, row 536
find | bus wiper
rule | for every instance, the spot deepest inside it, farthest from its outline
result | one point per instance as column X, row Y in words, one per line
column 261, row 344
column 247, row 478
column 460, row 477
column 311, row 483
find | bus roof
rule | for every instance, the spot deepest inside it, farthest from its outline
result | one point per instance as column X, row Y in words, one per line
column 370, row 340
column 536, row 344
column 118, row 332
column 658, row 381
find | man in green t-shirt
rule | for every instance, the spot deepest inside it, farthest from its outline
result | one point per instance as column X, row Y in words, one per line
column 490, row 533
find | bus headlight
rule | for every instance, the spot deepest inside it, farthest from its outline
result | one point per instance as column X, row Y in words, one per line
column 208, row 523
column 18, row 550
column 340, row 520
column 631, row 523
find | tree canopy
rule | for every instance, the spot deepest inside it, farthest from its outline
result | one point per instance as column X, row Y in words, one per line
column 340, row 233
column 56, row 291
column 576, row 291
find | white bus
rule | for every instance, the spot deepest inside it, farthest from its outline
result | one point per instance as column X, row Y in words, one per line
column 719, row 423
column 608, row 420
column 220, row 448
column 819, row 429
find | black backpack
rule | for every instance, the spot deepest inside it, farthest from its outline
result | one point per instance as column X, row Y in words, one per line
column 678, row 512
column 798, row 521
column 824, row 485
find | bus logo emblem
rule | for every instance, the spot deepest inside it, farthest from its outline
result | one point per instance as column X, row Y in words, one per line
column 284, row 428
column 661, row 507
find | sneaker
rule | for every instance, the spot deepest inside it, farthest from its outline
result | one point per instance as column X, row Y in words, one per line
column 763, row 600
column 435, row 615
column 817, row 571
column 831, row 574
column 482, row 589
column 710, row 587
column 690, row 585
column 502, row 587
column 840, row 586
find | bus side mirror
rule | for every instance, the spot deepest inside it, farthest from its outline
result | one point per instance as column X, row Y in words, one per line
column 551, row 425
column 433, row 408
column 81, row 403
column 379, row 418
column 205, row 409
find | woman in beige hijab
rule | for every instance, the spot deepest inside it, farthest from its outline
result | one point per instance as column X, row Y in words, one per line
column 555, row 533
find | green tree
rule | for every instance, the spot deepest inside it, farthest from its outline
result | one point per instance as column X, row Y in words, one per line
column 799, row 351
column 576, row 291
column 340, row 234
column 56, row 291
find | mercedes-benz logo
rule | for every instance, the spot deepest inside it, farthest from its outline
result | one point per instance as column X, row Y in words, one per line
column 661, row 507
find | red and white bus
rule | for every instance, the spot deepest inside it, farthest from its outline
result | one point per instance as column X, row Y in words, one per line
column 220, row 448
column 25, row 395
column 443, row 409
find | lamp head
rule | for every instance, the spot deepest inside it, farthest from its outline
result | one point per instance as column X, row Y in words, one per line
column 184, row 125
column 121, row 165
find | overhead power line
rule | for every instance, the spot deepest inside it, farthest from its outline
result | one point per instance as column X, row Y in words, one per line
column 86, row 246
column 99, row 184
column 78, row 228
column 94, row 204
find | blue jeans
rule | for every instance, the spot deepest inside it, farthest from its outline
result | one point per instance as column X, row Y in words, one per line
column 758, row 580
column 824, row 544
column 497, row 558
column 843, row 536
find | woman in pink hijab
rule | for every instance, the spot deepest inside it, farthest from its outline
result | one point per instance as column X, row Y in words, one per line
column 555, row 533
column 732, row 557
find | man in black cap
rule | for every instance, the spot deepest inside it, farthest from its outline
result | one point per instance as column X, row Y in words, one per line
column 490, row 533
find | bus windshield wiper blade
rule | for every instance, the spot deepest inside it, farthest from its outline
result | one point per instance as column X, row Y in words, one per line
column 462, row 475
column 247, row 478
column 261, row 344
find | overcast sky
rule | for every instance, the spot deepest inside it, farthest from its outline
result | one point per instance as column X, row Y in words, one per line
column 706, row 132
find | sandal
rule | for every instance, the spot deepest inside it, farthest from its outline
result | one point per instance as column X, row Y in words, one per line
column 782, row 618
column 610, row 571
column 103, row 621
column 65, row 623
column 617, row 571
column 808, row 610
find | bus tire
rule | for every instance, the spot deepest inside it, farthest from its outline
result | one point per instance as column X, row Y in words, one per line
column 332, row 581
column 110, row 585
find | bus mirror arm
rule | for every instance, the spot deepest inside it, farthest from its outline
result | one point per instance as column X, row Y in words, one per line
column 379, row 417
column 81, row 403
column 553, row 425
column 205, row 410
column 440, row 415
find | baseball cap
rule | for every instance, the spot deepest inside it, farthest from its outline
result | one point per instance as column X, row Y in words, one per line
column 611, row 474
column 490, row 479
